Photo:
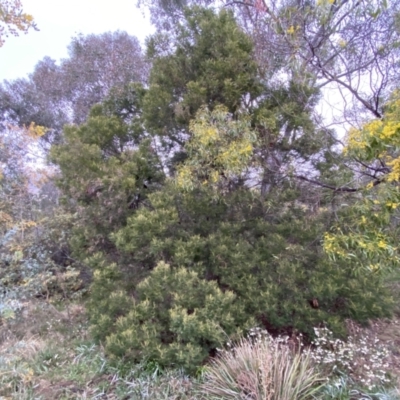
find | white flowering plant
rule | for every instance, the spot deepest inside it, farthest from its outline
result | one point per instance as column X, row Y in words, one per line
column 362, row 357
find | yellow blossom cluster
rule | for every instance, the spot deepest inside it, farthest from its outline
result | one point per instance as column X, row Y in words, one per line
column 36, row 131
column 13, row 20
column 345, row 245
column 394, row 174
column 392, row 205
column 379, row 138
column 184, row 177
column 206, row 137
column 236, row 155
column 332, row 245
column 368, row 237
column 219, row 147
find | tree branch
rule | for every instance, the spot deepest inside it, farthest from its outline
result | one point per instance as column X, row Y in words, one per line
column 334, row 188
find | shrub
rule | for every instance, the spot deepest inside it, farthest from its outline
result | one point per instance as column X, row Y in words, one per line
column 176, row 320
column 266, row 271
column 242, row 240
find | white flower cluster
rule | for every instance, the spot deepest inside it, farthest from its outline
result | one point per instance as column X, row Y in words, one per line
column 363, row 358
column 258, row 334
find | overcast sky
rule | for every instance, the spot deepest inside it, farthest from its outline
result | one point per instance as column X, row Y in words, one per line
column 58, row 21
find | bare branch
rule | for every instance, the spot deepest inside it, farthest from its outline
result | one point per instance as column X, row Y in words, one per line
column 334, row 188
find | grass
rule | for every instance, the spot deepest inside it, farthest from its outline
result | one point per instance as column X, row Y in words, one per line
column 262, row 369
column 56, row 359
column 344, row 389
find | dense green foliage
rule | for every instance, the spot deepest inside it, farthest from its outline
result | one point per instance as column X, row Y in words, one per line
column 228, row 239
column 114, row 177
column 209, row 63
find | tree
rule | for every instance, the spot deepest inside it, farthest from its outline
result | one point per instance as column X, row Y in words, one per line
column 336, row 44
column 38, row 100
column 229, row 238
column 366, row 232
column 350, row 46
column 209, row 63
column 96, row 64
column 14, row 177
column 264, row 253
column 13, row 20
column 32, row 230
column 55, row 95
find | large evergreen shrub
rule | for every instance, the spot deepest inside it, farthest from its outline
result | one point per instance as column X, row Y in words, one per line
column 230, row 240
column 226, row 271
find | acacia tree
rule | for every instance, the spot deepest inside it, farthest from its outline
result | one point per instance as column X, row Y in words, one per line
column 348, row 45
column 366, row 232
column 13, row 20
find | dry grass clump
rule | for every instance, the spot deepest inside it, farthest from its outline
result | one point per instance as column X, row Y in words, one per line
column 27, row 348
column 16, row 372
column 262, row 369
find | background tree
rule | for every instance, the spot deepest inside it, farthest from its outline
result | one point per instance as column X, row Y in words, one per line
column 37, row 99
column 98, row 63
column 33, row 230
column 55, row 95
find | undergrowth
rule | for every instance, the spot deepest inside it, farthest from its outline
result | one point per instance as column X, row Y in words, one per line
column 58, row 360
column 46, row 353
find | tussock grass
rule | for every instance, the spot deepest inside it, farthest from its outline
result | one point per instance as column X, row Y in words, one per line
column 262, row 370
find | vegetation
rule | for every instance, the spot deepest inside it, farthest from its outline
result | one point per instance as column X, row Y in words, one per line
column 13, row 20
column 198, row 229
column 262, row 369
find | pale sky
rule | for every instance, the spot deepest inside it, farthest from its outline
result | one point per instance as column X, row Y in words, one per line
column 58, row 21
